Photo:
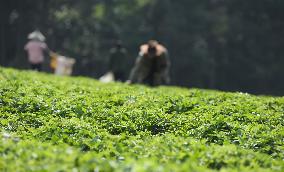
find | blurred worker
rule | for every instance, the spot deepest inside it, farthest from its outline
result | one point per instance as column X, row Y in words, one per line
column 118, row 61
column 152, row 65
column 35, row 48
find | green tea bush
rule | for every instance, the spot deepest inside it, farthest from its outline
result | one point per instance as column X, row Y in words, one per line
column 53, row 123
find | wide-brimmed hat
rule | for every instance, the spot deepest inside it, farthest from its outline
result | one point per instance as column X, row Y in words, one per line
column 36, row 35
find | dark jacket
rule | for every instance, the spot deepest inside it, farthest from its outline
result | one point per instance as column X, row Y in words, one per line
column 151, row 70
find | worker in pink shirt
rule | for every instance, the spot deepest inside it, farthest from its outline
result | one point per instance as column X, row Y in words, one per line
column 35, row 49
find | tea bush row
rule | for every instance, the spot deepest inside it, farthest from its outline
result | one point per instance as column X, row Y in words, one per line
column 106, row 127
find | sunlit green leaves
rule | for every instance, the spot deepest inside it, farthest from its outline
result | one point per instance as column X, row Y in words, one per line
column 51, row 123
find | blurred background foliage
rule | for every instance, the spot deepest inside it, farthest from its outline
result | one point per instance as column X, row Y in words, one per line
column 234, row 45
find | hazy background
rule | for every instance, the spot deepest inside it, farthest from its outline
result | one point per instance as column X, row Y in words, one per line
column 235, row 45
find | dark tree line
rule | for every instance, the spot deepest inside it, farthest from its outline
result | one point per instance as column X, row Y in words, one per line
column 234, row 45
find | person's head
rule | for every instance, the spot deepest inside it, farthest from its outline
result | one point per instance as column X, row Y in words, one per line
column 118, row 44
column 152, row 48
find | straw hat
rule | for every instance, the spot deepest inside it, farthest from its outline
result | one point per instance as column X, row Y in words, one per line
column 36, row 35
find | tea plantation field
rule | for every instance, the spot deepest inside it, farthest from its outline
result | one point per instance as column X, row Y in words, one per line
column 52, row 123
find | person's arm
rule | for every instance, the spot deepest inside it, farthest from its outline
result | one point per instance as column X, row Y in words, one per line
column 45, row 47
column 26, row 47
column 163, row 70
column 48, row 50
column 163, row 63
column 136, row 74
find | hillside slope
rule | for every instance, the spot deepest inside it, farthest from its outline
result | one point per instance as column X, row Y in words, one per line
column 52, row 123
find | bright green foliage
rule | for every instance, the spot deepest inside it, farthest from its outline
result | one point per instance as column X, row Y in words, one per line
column 52, row 123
